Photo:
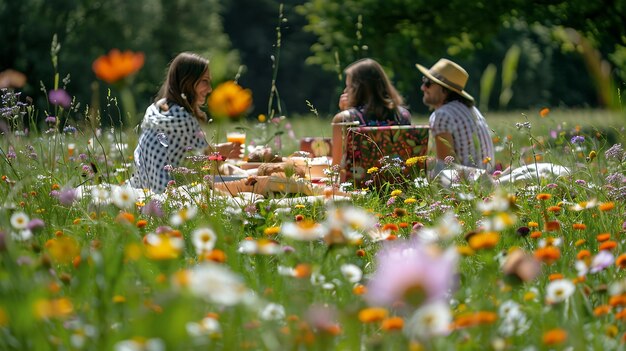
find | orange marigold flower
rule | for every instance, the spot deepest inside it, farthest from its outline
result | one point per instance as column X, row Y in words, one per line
column 607, row 206
column 554, row 209
column 302, row 270
column 543, row 196
column 544, row 112
column 608, row 245
column 579, row 226
column 621, row 315
column 618, row 300
column 465, row 250
column 403, row 225
column 603, row 237
column 271, row 231
column 485, row 240
column 392, row 323
column 473, row 319
column 216, row 255
column 141, row 223
column 535, row 235
column 372, row 314
column 548, row 254
column 117, row 65
column 555, row 276
column 392, row 237
column 390, row 226
column 601, row 310
column 554, row 336
column 620, row 261
column 229, row 100
column 582, row 254
column 359, row 289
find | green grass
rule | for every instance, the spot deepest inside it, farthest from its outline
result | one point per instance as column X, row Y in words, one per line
column 100, row 275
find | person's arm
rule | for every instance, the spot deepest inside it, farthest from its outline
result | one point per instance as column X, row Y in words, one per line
column 338, row 124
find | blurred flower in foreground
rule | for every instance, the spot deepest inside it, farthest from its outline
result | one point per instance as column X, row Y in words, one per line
column 12, row 79
column 140, row 344
column 229, row 100
column 59, row 97
column 215, row 283
column 428, row 321
column 412, row 272
column 117, row 65
column 55, row 308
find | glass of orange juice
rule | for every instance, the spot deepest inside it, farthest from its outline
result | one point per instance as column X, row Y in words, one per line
column 236, row 137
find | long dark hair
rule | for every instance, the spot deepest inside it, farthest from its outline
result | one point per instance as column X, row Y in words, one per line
column 179, row 87
column 372, row 89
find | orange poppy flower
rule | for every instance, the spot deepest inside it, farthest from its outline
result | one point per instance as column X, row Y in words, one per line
column 372, row 314
column 601, row 310
column 544, row 112
column 216, row 255
column 608, row 245
column 554, row 336
column 554, row 209
column 117, row 65
column 582, row 254
column 486, row 240
column 555, row 276
column 548, row 254
column 359, row 289
column 392, row 323
column 552, row 226
column 579, row 226
column 390, row 226
column 618, row 300
column 302, row 270
column 543, row 196
column 473, row 319
column 603, row 237
column 535, row 235
column 620, row 261
column 607, row 206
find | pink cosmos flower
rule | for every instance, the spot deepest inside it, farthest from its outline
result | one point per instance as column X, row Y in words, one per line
column 412, row 272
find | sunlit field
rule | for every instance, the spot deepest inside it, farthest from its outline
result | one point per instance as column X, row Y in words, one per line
column 497, row 263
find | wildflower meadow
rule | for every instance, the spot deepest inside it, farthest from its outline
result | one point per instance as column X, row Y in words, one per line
column 529, row 257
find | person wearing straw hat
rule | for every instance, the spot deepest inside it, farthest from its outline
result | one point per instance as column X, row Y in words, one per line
column 457, row 127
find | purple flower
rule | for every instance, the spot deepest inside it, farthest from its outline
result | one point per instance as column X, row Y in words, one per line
column 391, row 201
column 51, row 119
column 11, row 153
column 59, row 97
column 615, row 153
column 163, row 229
column 153, row 208
column 67, row 196
column 409, row 271
column 35, row 223
column 577, row 139
column 602, row 260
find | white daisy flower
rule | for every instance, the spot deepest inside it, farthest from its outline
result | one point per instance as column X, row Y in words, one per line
column 429, row 321
column 559, row 290
column 303, row 230
column 217, row 284
column 352, row 272
column 140, row 345
column 123, row 197
column 182, row 216
column 203, row 240
column 99, row 195
column 208, row 326
column 272, row 312
column 19, row 220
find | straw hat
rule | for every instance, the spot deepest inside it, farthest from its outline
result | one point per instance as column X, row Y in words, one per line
column 448, row 74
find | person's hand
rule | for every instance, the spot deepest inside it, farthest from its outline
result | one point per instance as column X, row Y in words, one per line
column 230, row 149
column 343, row 102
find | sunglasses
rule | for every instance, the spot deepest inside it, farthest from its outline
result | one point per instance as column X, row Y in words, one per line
column 427, row 82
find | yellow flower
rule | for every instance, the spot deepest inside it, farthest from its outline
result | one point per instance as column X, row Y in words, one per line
column 372, row 314
column 396, row 192
column 372, row 170
column 262, row 118
column 63, row 249
column 410, row 200
column 55, row 308
column 229, row 100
